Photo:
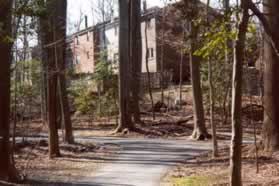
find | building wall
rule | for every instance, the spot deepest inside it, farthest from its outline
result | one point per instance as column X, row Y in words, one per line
column 153, row 20
column 82, row 52
column 112, row 43
column 150, row 26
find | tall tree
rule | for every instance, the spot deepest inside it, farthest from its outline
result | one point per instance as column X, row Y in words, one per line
column 200, row 131
column 124, row 66
column 271, row 78
column 43, row 58
column 136, row 56
column 50, row 43
column 211, row 95
column 60, row 50
column 7, row 169
column 236, row 142
column 269, row 18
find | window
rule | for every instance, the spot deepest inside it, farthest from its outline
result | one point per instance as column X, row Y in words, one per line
column 148, row 23
column 77, row 60
column 115, row 31
column 77, row 40
column 88, row 55
column 87, row 36
column 150, row 53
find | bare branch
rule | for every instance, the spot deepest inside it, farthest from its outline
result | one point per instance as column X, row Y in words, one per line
column 271, row 35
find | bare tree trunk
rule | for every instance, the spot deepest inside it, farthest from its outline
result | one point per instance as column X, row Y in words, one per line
column 43, row 58
column 61, row 63
column 124, row 70
column 226, row 5
column 181, row 64
column 52, row 19
column 200, row 132
column 162, row 50
column 147, row 71
column 212, row 109
column 7, row 169
column 271, row 79
column 136, row 56
column 181, row 74
column 236, row 142
column 211, row 97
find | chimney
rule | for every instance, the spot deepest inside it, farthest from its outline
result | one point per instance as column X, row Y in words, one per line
column 144, row 6
column 86, row 21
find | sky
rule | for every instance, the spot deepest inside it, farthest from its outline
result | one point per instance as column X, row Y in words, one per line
column 80, row 8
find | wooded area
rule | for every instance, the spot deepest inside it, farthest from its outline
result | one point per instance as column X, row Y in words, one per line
column 186, row 71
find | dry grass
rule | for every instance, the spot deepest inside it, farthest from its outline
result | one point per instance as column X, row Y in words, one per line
column 207, row 171
column 78, row 161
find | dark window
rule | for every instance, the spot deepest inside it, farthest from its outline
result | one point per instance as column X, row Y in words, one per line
column 148, row 23
column 151, row 52
column 87, row 36
column 77, row 60
column 77, row 40
column 88, row 55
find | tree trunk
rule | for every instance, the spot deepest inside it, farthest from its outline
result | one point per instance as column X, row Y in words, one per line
column 236, row 142
column 43, row 67
column 147, row 71
column 124, row 70
column 7, row 169
column 211, row 96
column 200, row 132
column 181, row 63
column 212, row 109
column 136, row 56
column 162, row 51
column 61, row 64
column 52, row 19
column 271, row 79
column 181, row 73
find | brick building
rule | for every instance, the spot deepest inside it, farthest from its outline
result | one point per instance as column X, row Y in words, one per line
column 166, row 30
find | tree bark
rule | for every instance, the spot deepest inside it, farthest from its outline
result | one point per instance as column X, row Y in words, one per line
column 200, row 132
column 136, row 56
column 61, row 66
column 7, row 169
column 211, row 96
column 236, row 141
column 162, row 57
column 52, row 10
column 124, row 64
column 271, row 79
column 148, row 72
column 43, row 68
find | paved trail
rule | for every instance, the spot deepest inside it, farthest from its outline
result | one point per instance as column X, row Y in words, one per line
column 142, row 162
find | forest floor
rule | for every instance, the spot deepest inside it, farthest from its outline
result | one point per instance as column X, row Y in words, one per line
column 206, row 171
column 76, row 161
column 89, row 156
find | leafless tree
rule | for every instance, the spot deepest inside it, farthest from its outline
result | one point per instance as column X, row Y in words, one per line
column 236, row 142
column 7, row 169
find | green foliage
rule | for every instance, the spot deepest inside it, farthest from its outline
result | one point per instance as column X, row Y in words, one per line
column 215, row 41
column 97, row 94
column 216, row 45
column 82, row 95
column 32, row 8
column 26, row 83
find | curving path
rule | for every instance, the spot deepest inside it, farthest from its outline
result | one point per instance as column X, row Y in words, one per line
column 141, row 162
